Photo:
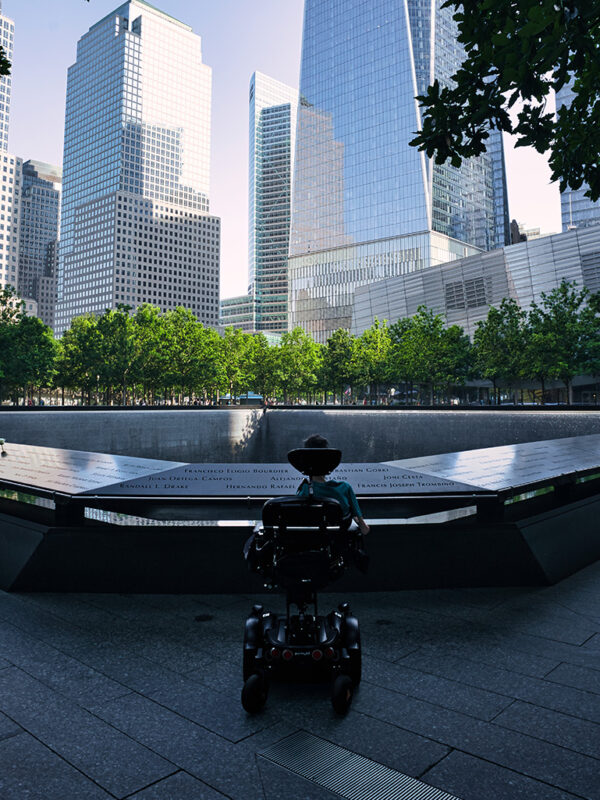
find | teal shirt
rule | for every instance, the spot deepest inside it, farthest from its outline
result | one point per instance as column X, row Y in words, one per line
column 338, row 490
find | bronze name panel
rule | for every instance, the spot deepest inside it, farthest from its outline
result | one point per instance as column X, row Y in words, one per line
column 246, row 480
column 71, row 471
column 512, row 466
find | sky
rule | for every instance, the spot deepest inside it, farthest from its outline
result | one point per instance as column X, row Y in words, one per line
column 238, row 38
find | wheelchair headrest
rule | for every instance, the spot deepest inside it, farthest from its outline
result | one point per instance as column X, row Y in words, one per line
column 315, row 460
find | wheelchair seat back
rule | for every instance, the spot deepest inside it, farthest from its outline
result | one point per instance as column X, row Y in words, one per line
column 306, row 533
column 309, row 515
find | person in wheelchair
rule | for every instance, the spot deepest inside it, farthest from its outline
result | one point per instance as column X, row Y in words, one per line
column 305, row 542
column 337, row 490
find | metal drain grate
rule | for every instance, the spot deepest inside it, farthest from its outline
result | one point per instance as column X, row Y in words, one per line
column 345, row 772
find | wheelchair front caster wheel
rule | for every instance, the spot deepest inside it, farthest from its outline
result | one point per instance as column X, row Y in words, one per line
column 341, row 694
column 254, row 693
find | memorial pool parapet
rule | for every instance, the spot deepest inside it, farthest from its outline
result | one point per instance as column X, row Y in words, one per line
column 246, row 435
column 84, row 521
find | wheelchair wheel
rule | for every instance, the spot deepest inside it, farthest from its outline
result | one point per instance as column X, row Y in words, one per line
column 355, row 667
column 254, row 693
column 341, row 694
column 249, row 667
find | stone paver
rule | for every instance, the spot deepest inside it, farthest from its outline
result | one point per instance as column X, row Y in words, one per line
column 180, row 786
column 484, row 693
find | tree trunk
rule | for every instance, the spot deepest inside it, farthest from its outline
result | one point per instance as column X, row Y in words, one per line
column 543, row 390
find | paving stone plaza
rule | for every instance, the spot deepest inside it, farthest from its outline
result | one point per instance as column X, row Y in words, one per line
column 487, row 694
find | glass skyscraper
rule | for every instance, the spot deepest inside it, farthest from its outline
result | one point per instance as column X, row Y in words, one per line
column 576, row 210
column 135, row 226
column 273, row 111
column 358, row 185
column 38, row 235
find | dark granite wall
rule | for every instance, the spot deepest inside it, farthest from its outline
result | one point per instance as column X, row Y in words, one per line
column 240, row 434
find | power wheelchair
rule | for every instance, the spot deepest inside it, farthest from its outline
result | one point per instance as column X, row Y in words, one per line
column 303, row 544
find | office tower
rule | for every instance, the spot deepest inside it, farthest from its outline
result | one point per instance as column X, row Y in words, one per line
column 38, row 235
column 10, row 200
column 10, row 189
column 495, row 148
column 576, row 210
column 7, row 35
column 273, row 113
column 273, row 110
column 366, row 205
column 237, row 312
column 135, row 226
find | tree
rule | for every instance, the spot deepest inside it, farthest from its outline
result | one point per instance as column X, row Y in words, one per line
column 236, row 361
column 591, row 358
column 264, row 373
column 560, row 330
column 27, row 348
column 81, row 359
column 151, row 357
column 458, row 357
column 499, row 343
column 116, row 329
column 374, row 348
column 209, row 369
column 299, row 361
column 516, row 53
column 435, row 355
column 189, row 348
column 12, row 310
column 397, row 365
column 338, row 368
column 33, row 355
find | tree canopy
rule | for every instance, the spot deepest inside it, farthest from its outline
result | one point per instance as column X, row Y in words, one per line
column 27, row 348
column 516, row 53
column 149, row 356
column 500, row 344
column 562, row 330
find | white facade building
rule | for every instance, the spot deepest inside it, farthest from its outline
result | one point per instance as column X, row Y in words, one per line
column 135, row 226
column 7, row 36
column 463, row 291
column 10, row 169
